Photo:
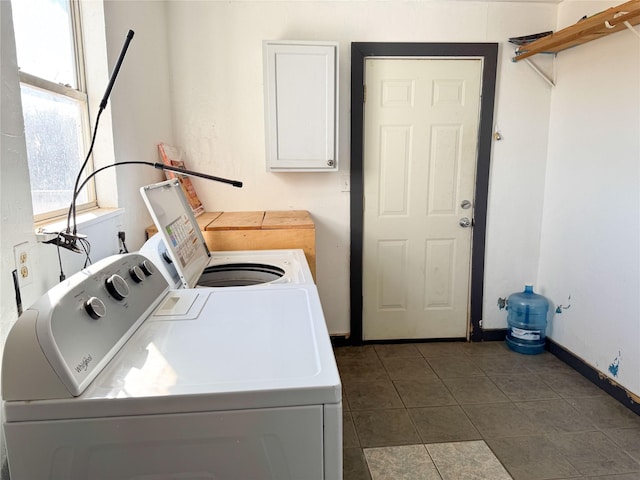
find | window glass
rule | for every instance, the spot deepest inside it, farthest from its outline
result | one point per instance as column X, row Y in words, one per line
column 44, row 39
column 53, row 102
column 53, row 165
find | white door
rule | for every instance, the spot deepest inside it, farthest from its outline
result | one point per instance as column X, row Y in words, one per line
column 420, row 151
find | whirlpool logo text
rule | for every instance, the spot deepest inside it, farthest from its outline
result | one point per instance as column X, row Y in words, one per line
column 84, row 364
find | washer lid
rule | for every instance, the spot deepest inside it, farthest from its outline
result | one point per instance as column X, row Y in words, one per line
column 179, row 229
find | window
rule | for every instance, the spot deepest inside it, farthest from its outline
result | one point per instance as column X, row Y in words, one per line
column 54, row 101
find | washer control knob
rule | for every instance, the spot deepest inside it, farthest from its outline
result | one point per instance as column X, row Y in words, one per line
column 117, row 287
column 137, row 275
column 148, row 268
column 167, row 258
column 95, row 308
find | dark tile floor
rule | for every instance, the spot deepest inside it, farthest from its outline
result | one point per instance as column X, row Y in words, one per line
column 540, row 418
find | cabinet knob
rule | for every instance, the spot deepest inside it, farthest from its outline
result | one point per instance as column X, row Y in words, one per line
column 330, row 163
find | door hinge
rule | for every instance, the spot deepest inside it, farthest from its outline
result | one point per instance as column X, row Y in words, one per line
column 364, row 94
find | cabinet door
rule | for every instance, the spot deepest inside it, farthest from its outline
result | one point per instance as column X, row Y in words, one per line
column 301, row 94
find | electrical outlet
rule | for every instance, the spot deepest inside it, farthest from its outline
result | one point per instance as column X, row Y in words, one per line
column 22, row 256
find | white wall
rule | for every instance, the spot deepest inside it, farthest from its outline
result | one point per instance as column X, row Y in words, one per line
column 516, row 183
column 16, row 224
column 591, row 221
column 216, row 59
column 141, row 104
column 15, row 200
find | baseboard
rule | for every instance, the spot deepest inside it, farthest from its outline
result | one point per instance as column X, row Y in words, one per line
column 345, row 340
column 494, row 334
column 489, row 335
column 627, row 398
column 341, row 341
column 415, row 340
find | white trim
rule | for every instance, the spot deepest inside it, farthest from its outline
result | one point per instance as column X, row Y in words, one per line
column 45, row 231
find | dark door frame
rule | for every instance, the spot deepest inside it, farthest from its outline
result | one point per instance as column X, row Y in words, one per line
column 359, row 52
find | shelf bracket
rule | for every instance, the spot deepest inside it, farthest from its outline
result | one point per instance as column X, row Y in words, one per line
column 630, row 27
column 540, row 72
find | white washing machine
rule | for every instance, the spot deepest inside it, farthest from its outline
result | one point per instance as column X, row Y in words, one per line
column 113, row 376
column 234, row 268
column 182, row 256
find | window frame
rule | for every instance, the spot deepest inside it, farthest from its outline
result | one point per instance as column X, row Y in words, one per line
column 79, row 95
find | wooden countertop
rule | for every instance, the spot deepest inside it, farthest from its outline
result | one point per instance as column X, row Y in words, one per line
column 274, row 219
column 260, row 220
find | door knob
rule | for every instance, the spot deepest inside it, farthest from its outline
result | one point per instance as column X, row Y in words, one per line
column 465, row 222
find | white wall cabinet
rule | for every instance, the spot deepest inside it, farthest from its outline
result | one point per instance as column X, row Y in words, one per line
column 301, row 98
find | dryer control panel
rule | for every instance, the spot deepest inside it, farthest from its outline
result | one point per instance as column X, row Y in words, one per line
column 59, row 345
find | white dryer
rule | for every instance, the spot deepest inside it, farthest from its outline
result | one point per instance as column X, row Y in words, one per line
column 113, row 376
column 182, row 256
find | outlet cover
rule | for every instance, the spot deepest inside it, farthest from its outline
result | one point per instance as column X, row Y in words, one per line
column 22, row 257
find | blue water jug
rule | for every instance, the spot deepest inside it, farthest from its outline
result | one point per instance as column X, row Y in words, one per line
column 527, row 321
